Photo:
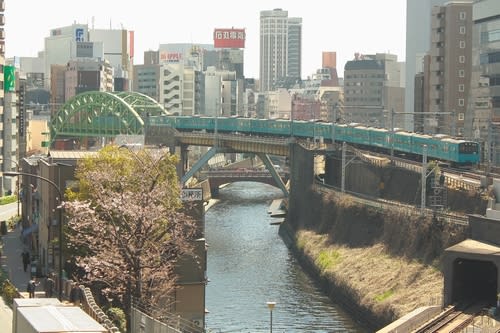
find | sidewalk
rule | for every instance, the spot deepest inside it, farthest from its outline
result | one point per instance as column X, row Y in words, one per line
column 11, row 263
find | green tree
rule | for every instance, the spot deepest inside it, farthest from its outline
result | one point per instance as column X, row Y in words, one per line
column 125, row 223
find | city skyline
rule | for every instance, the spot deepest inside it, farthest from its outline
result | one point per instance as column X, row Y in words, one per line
column 358, row 29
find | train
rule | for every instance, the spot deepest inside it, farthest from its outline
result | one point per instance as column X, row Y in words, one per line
column 457, row 152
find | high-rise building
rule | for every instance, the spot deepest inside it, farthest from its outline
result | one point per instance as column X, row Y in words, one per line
column 483, row 116
column 418, row 34
column 449, row 68
column 280, row 48
column 11, row 112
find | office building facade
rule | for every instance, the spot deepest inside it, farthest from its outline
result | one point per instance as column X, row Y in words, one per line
column 483, row 115
column 373, row 90
column 280, row 48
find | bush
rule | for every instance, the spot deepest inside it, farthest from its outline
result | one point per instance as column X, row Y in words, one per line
column 9, row 292
column 117, row 316
column 8, row 199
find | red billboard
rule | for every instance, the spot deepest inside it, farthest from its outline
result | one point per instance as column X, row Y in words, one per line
column 229, row 38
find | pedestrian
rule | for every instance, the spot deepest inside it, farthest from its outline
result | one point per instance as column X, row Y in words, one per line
column 76, row 294
column 32, row 284
column 49, row 286
column 26, row 259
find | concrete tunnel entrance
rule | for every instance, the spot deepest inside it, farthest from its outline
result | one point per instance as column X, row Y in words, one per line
column 473, row 281
column 471, row 272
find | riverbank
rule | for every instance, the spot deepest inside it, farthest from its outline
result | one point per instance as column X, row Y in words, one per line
column 379, row 265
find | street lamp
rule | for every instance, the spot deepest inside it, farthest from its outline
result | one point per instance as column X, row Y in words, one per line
column 12, row 173
column 271, row 305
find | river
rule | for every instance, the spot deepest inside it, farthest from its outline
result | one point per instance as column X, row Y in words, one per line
column 250, row 265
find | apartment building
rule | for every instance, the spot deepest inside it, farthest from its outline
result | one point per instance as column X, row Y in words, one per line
column 449, row 68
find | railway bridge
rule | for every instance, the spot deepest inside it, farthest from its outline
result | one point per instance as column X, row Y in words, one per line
column 224, row 176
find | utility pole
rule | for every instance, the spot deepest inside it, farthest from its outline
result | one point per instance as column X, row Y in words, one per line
column 343, row 167
column 424, row 177
column 392, row 134
column 334, row 120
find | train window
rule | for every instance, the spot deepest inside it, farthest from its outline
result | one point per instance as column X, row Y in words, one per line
column 468, row 147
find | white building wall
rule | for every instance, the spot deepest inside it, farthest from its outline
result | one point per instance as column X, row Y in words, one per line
column 59, row 46
column 212, row 92
column 171, row 75
column 115, row 49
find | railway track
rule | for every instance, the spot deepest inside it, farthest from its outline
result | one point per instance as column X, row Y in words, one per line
column 453, row 319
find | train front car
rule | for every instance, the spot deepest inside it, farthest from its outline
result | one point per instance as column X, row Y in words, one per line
column 460, row 153
column 468, row 153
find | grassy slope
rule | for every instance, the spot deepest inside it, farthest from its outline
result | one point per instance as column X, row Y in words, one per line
column 386, row 263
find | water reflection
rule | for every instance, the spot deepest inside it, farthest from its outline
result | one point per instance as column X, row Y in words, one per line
column 249, row 265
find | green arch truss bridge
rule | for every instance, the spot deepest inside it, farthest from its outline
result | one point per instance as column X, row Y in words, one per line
column 103, row 114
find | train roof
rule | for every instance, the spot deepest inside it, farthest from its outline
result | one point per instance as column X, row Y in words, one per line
column 455, row 140
column 422, row 136
column 378, row 129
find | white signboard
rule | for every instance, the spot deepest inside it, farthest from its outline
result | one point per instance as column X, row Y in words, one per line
column 191, row 194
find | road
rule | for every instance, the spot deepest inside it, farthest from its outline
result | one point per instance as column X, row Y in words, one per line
column 6, row 211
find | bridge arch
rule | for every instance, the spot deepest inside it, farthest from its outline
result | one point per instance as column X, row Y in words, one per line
column 103, row 114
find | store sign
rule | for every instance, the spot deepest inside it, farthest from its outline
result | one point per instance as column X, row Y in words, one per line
column 191, row 194
column 79, row 35
column 170, row 57
column 229, row 38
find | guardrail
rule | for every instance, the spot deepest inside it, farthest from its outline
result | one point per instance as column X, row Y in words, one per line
column 238, row 174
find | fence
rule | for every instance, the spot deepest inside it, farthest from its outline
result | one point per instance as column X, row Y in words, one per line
column 159, row 321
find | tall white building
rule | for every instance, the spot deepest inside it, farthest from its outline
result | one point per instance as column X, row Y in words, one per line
column 280, row 48
column 118, row 49
column 61, row 46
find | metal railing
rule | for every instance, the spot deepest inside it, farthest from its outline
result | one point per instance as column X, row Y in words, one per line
column 382, row 204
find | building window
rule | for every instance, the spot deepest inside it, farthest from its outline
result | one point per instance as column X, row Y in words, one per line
column 463, row 15
column 462, row 29
column 461, row 73
column 461, row 59
column 461, row 116
column 461, row 87
column 489, row 58
column 462, row 44
column 461, row 102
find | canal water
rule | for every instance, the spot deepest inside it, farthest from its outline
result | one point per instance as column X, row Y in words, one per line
column 250, row 265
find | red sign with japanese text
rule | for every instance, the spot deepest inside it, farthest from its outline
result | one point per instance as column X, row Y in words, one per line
column 229, row 38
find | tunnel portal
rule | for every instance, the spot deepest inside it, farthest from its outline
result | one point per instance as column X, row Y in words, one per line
column 474, row 281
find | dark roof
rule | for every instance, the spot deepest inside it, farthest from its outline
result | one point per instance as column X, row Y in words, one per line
column 364, row 64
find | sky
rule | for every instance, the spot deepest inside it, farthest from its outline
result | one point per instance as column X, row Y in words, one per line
column 343, row 26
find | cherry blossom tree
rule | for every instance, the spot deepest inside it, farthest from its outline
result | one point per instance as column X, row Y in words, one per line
column 125, row 225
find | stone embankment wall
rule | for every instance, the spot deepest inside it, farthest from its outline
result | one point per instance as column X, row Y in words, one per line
column 378, row 264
